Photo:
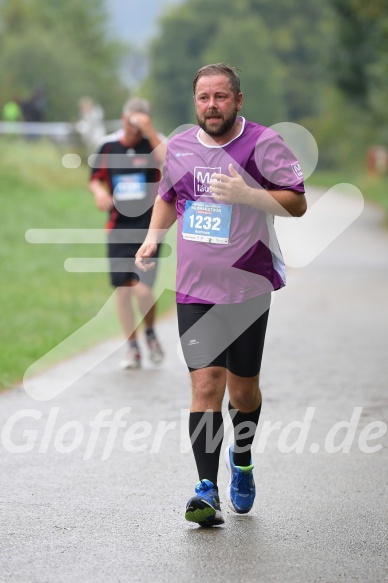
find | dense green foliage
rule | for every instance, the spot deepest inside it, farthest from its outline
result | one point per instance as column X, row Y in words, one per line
column 360, row 59
column 321, row 64
column 275, row 45
column 60, row 46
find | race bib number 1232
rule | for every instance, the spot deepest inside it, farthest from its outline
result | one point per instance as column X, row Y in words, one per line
column 207, row 222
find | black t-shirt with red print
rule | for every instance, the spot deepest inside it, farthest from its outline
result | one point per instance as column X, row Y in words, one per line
column 131, row 175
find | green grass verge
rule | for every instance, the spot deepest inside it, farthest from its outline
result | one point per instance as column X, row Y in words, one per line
column 42, row 304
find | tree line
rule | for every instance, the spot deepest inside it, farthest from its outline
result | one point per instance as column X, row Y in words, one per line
column 321, row 64
column 62, row 49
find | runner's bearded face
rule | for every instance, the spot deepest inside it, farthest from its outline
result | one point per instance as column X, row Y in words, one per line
column 216, row 106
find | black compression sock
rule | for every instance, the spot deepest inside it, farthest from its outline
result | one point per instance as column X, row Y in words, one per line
column 206, row 433
column 245, row 425
column 150, row 334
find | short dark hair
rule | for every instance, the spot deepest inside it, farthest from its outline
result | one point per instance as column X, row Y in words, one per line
column 219, row 69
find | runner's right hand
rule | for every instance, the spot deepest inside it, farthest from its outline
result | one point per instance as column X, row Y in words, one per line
column 145, row 252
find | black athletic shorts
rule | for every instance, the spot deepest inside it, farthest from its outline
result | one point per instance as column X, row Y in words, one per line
column 122, row 262
column 227, row 335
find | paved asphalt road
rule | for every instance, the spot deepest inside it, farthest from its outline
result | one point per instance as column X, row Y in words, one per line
column 83, row 504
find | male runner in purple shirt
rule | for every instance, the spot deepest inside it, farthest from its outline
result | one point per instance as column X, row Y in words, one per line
column 224, row 181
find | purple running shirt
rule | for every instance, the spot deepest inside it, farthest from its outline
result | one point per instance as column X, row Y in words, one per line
column 226, row 253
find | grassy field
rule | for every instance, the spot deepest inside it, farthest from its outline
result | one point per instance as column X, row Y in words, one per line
column 42, row 304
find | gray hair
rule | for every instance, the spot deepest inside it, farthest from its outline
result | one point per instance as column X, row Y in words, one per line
column 137, row 105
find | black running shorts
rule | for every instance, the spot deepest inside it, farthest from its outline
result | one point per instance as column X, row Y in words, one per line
column 122, row 263
column 227, row 335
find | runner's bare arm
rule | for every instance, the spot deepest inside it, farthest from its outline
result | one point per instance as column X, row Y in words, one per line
column 102, row 198
column 234, row 190
column 163, row 217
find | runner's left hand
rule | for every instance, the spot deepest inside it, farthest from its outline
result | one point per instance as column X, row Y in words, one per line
column 229, row 189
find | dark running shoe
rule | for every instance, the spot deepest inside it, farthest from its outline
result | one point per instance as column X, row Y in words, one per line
column 204, row 508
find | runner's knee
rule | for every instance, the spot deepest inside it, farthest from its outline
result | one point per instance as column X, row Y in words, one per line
column 244, row 393
column 208, row 385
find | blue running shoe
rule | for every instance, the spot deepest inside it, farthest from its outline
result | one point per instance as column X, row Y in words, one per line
column 241, row 490
column 204, row 508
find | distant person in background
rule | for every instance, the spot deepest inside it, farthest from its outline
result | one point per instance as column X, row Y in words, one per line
column 34, row 107
column 123, row 181
column 12, row 111
column 91, row 123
